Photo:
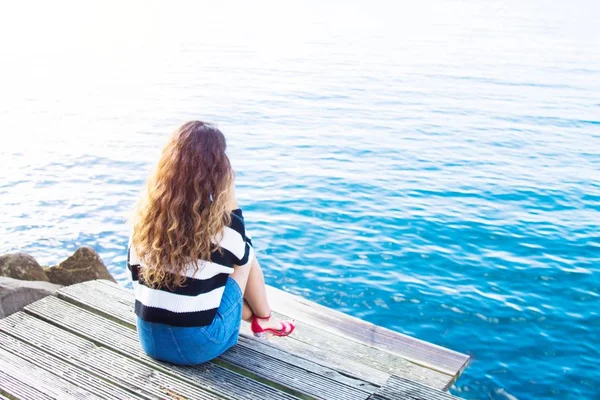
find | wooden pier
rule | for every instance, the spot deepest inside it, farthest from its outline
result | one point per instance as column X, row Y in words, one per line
column 82, row 344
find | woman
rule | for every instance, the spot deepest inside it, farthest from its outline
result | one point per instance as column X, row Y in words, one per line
column 194, row 271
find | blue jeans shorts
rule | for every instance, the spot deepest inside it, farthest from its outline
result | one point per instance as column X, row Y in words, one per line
column 196, row 345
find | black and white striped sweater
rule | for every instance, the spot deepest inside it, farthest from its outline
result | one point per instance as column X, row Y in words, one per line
column 196, row 302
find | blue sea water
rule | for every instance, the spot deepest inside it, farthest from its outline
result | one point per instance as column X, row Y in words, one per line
column 433, row 168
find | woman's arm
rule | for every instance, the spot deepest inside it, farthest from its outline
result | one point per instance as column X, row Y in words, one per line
column 232, row 203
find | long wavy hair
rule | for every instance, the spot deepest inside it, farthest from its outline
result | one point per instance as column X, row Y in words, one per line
column 181, row 215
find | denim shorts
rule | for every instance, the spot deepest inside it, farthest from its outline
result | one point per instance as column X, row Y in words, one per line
column 195, row 345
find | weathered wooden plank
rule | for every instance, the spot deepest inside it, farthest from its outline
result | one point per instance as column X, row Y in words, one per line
column 284, row 370
column 312, row 381
column 326, row 357
column 98, row 360
column 209, row 376
column 336, row 346
column 399, row 388
column 41, row 379
column 91, row 297
column 346, row 356
column 336, row 361
column 123, row 308
column 412, row 349
column 17, row 389
column 66, row 371
column 100, row 298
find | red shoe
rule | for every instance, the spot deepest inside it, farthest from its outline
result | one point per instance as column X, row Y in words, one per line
column 287, row 327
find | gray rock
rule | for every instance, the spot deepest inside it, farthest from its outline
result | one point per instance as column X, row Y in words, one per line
column 84, row 265
column 21, row 266
column 15, row 294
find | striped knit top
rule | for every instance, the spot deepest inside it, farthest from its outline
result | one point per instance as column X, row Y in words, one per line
column 196, row 302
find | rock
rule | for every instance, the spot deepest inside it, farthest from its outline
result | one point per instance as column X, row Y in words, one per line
column 84, row 265
column 21, row 266
column 15, row 294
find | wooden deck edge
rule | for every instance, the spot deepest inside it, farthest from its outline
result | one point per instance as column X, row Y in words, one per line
column 379, row 328
column 454, row 374
column 289, row 299
column 92, row 303
column 452, row 377
column 124, row 298
column 294, row 301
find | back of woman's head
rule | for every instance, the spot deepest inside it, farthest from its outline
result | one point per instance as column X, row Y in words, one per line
column 185, row 207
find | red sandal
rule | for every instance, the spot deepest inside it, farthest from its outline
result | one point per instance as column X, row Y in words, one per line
column 287, row 327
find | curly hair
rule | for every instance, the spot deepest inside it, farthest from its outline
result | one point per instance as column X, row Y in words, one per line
column 181, row 216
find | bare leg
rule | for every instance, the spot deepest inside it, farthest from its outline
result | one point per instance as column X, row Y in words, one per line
column 252, row 283
column 247, row 313
column 256, row 292
column 240, row 275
